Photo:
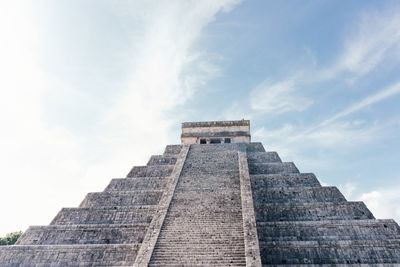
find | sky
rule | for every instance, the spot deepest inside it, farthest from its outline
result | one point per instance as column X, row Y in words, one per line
column 90, row 88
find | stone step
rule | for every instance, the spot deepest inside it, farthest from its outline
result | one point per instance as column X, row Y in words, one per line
column 272, row 168
column 283, row 180
column 172, row 150
column 151, row 171
column 196, row 262
column 312, row 211
column 143, row 197
column 161, row 160
column 68, row 255
column 83, row 234
column 328, row 230
column 298, row 194
column 105, row 215
column 330, row 252
column 255, row 147
column 263, row 157
column 139, row 183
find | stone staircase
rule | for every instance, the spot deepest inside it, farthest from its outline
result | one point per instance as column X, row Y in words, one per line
column 108, row 227
column 204, row 225
column 301, row 222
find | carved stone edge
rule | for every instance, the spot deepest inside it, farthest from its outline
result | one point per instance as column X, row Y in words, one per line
column 252, row 249
column 146, row 249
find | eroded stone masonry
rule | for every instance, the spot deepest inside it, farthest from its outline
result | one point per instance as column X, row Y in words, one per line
column 215, row 200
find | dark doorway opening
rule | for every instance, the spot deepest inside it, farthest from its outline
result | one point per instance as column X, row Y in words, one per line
column 227, row 140
column 215, row 141
column 203, row 141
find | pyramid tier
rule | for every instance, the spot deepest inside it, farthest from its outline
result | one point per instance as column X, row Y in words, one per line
column 105, row 215
column 68, row 255
column 331, row 252
column 263, row 157
column 84, row 234
column 171, row 150
column 311, row 211
column 255, row 147
column 328, row 230
column 132, row 198
column 137, row 183
column 298, row 194
column 161, row 160
column 272, row 168
column 151, row 171
column 265, row 181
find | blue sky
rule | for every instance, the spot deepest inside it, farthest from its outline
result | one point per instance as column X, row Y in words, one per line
column 91, row 88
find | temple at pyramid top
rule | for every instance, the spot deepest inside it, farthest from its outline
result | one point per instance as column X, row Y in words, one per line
column 216, row 132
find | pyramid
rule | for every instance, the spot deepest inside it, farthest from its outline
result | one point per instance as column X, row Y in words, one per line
column 217, row 199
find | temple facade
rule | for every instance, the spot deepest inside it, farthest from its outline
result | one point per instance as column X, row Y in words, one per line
column 217, row 199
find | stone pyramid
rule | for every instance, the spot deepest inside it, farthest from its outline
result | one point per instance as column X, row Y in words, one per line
column 215, row 200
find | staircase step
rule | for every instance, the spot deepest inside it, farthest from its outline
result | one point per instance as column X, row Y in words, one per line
column 83, row 234
column 312, row 211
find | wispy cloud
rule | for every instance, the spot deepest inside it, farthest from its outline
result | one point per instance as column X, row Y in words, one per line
column 278, row 97
column 365, row 102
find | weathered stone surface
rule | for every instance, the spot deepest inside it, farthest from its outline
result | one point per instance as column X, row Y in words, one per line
column 283, row 180
column 328, row 230
column 99, row 199
column 331, row 252
column 105, row 215
column 263, row 157
column 84, row 234
column 151, row 171
column 298, row 194
column 272, row 168
column 138, row 183
column 68, row 255
column 311, row 211
column 255, row 147
column 161, row 160
column 172, row 150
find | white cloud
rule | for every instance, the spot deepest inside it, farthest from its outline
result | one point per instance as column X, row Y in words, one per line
column 278, row 97
column 374, row 39
column 384, row 203
column 45, row 168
